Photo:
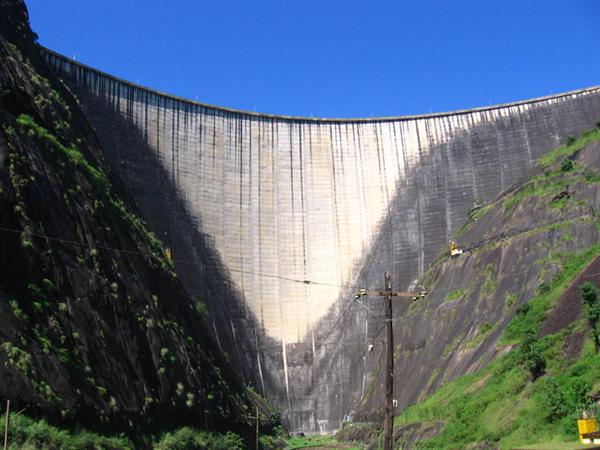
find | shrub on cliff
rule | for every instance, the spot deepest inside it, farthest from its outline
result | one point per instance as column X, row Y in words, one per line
column 566, row 165
column 562, row 396
column 589, row 296
column 189, row 439
column 531, row 355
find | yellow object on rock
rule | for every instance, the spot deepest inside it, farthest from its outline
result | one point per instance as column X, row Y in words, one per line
column 586, row 426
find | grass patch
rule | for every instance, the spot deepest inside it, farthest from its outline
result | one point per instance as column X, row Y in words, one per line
column 500, row 404
column 474, row 215
column 27, row 433
column 530, row 315
column 538, row 187
column 554, row 181
column 32, row 128
column 483, row 332
column 297, row 442
column 511, row 300
column 455, row 295
column 571, row 147
column 490, row 284
column 71, row 152
column 557, row 446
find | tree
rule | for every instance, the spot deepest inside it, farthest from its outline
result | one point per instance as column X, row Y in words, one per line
column 531, row 355
column 589, row 297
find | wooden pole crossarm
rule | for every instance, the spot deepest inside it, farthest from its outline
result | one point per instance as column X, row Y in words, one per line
column 257, row 417
column 383, row 293
column 388, row 293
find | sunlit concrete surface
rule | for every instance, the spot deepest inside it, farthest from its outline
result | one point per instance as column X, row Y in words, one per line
column 334, row 201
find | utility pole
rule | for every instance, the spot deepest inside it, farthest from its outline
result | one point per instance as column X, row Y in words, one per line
column 388, row 293
column 257, row 422
column 257, row 417
column 6, row 423
column 388, row 422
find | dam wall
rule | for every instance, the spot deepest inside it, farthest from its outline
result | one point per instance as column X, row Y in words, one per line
column 275, row 221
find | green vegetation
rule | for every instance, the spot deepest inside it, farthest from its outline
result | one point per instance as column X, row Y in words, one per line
column 575, row 445
column 591, row 175
column 561, row 395
column 557, row 181
column 589, row 296
column 483, row 332
column 29, row 126
column 572, row 146
column 200, row 306
column 298, row 442
column 474, row 215
column 189, row 439
column 530, row 315
column 511, row 300
column 71, row 152
column 26, row 433
column 538, row 187
column 566, row 165
column 530, row 394
column 455, row 295
column 18, row 311
column 533, row 392
column 490, row 283
column 530, row 355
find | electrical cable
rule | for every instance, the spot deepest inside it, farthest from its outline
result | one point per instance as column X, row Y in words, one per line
column 280, row 277
column 178, row 261
column 294, row 280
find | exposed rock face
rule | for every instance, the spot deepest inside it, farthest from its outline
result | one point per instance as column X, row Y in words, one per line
column 513, row 248
column 280, row 200
column 95, row 326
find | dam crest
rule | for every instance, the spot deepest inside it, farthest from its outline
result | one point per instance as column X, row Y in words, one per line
column 264, row 204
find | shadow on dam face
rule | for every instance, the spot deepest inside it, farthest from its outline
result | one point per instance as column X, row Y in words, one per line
column 252, row 205
column 198, row 265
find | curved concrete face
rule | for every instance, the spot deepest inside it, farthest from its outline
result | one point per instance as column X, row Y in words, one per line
column 281, row 200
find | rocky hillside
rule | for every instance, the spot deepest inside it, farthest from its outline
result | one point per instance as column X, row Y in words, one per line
column 95, row 327
column 509, row 312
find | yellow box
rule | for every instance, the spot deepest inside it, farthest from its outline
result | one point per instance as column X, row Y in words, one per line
column 586, row 426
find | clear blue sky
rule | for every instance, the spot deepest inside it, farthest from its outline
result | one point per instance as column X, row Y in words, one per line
column 334, row 58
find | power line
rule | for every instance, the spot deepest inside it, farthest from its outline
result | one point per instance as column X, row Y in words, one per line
column 178, row 261
column 508, row 275
column 281, row 277
column 298, row 280
column 134, row 252
column 327, row 334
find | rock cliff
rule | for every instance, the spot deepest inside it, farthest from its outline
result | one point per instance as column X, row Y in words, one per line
column 96, row 328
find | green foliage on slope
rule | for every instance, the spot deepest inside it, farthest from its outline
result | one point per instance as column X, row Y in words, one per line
column 298, row 442
column 535, row 390
column 95, row 329
column 500, row 404
column 573, row 145
column 29, row 434
column 589, row 296
column 557, row 177
column 26, row 433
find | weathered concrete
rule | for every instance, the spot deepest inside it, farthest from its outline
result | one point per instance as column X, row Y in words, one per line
column 268, row 201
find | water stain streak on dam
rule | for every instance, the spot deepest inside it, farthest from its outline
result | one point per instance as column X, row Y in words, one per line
column 282, row 199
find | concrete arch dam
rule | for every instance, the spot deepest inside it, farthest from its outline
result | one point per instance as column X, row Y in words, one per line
column 253, row 204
